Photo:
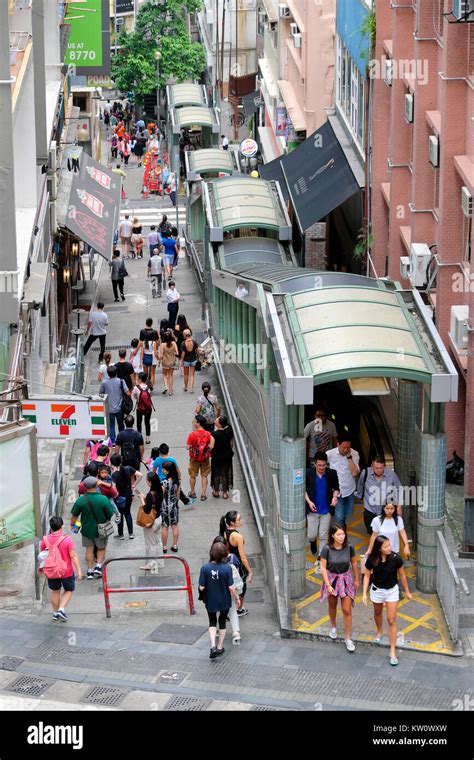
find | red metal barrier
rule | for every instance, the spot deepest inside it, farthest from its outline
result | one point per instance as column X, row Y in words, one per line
column 143, row 589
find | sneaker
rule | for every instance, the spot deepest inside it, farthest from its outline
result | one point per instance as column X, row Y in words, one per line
column 131, row 536
column 313, row 547
column 117, row 520
column 213, row 653
column 55, row 616
column 317, row 566
column 90, row 575
column 120, row 537
column 333, row 633
column 236, row 639
column 350, row 646
column 220, row 652
column 98, row 571
column 242, row 612
column 61, row 615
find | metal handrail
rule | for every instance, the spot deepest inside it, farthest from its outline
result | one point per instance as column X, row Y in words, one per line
column 449, row 586
column 194, row 258
column 255, row 500
column 142, row 589
column 49, row 507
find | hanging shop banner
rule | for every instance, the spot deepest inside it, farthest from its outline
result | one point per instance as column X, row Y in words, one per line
column 124, row 6
column 94, row 205
column 251, row 102
column 67, row 417
column 20, row 506
column 281, row 122
column 88, row 48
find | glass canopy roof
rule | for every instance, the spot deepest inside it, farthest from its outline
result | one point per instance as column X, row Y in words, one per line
column 210, row 160
column 186, row 94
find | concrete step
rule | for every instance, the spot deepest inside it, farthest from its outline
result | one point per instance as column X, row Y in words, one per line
column 466, row 618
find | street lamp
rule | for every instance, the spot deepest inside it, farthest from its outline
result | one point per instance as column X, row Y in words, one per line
column 158, row 104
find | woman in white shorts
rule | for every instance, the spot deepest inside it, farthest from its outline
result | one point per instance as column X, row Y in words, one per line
column 381, row 569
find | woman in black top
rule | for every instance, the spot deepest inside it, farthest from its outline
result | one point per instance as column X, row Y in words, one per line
column 125, row 479
column 340, row 572
column 383, row 565
column 188, row 359
column 221, row 461
column 228, row 526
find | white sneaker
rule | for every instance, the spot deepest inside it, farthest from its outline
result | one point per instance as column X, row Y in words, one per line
column 236, row 639
column 317, row 566
column 350, row 646
column 333, row 633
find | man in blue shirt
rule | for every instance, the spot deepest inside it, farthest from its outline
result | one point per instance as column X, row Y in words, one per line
column 158, row 468
column 322, row 490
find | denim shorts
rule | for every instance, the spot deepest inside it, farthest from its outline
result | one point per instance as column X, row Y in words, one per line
column 190, row 364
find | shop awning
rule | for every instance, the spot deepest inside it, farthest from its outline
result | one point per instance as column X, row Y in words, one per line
column 93, row 207
column 316, row 176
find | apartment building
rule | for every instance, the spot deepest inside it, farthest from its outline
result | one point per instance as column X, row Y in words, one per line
column 422, row 182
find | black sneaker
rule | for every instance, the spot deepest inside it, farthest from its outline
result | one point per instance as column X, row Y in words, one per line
column 90, row 575
column 62, row 615
column 213, row 653
column 220, row 652
column 242, row 612
column 313, row 547
column 97, row 571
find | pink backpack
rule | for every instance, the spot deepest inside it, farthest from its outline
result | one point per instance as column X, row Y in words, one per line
column 54, row 565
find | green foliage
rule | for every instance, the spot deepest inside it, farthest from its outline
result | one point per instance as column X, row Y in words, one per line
column 368, row 30
column 158, row 27
column 364, row 242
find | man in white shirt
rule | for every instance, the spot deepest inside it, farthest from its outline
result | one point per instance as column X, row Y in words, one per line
column 125, row 234
column 155, row 271
column 241, row 291
column 345, row 461
column 97, row 324
column 172, row 296
column 225, row 143
column 153, row 239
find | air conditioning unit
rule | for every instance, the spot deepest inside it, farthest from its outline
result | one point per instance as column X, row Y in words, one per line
column 283, row 10
column 433, row 152
column 388, row 71
column 297, row 39
column 420, row 257
column 466, row 202
column 405, row 267
column 462, row 9
column 459, row 329
column 409, row 107
column 294, row 28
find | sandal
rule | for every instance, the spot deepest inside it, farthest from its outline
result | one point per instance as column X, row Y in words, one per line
column 225, row 496
column 216, row 495
column 192, row 495
column 203, row 498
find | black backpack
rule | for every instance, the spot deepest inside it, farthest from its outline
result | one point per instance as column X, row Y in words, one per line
column 129, row 453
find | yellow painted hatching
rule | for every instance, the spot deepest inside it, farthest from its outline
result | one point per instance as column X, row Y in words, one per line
column 421, row 619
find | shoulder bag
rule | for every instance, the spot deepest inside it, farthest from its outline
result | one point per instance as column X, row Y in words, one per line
column 104, row 529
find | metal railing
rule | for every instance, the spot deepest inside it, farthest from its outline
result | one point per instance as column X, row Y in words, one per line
column 194, row 261
column 50, row 507
column 449, row 586
column 144, row 589
column 77, row 379
column 250, row 482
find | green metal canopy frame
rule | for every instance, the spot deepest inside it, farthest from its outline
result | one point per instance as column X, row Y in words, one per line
column 345, row 332
column 243, row 202
column 210, row 161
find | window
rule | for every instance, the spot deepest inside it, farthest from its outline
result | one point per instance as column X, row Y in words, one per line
column 350, row 91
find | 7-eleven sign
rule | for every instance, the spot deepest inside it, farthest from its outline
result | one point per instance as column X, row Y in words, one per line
column 69, row 417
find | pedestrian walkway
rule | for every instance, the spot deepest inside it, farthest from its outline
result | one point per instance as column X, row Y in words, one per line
column 152, row 214
column 421, row 624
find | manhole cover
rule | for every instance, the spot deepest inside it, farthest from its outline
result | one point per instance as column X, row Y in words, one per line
column 188, row 704
column 104, row 695
column 10, row 663
column 170, row 676
column 173, row 633
column 28, row 685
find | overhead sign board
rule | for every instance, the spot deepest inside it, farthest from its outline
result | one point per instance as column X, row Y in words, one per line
column 88, row 48
column 67, row 417
column 124, row 6
column 20, row 506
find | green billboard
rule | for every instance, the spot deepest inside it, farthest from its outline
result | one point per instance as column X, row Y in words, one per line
column 88, row 47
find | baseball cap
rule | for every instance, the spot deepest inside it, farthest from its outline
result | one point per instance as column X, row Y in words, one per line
column 90, row 482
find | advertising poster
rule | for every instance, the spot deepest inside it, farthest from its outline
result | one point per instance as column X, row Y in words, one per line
column 19, row 492
column 281, row 122
column 88, row 48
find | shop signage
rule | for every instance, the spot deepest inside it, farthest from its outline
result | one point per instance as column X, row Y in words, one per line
column 88, row 48
column 67, row 417
column 248, row 147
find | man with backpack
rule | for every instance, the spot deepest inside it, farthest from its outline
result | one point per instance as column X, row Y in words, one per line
column 199, row 444
column 58, row 567
column 116, row 391
column 93, row 509
column 144, row 404
column 129, row 444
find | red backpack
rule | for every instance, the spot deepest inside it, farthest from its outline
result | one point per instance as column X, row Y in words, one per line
column 144, row 404
column 54, row 565
column 200, row 451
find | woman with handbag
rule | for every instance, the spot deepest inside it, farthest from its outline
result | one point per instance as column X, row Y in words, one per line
column 149, row 518
column 169, row 507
